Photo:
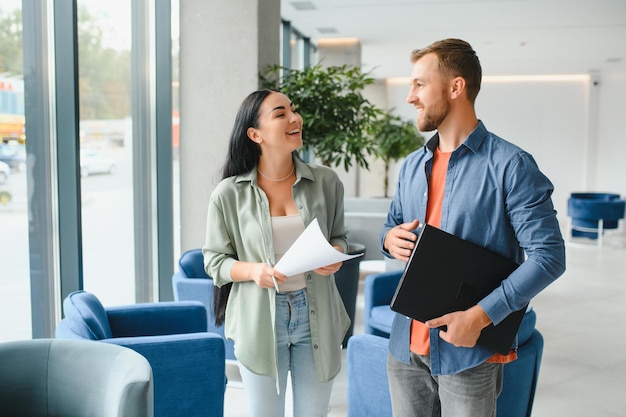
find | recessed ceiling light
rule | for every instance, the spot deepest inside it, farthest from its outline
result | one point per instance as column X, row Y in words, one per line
column 327, row 30
column 302, row 5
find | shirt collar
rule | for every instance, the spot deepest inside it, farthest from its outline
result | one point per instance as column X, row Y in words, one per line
column 302, row 171
column 473, row 141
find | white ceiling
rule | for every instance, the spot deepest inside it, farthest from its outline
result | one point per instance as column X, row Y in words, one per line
column 511, row 37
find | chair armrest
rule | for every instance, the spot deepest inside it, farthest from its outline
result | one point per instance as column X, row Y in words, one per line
column 189, row 371
column 379, row 290
column 162, row 318
column 368, row 387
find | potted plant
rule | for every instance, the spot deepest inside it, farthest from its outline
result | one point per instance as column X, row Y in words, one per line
column 338, row 119
column 394, row 139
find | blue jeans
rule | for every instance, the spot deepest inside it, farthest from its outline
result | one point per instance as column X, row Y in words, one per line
column 417, row 393
column 295, row 355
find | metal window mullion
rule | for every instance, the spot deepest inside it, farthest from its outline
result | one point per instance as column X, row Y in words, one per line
column 286, row 44
column 67, row 118
column 164, row 177
column 306, row 53
column 41, row 184
column 143, row 151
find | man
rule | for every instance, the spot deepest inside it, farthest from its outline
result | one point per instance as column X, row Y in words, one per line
column 473, row 184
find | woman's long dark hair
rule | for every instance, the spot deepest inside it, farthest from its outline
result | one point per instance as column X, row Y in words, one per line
column 243, row 156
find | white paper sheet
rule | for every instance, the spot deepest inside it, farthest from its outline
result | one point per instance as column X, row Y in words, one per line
column 310, row 251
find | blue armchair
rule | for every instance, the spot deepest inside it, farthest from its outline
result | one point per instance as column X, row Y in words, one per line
column 190, row 282
column 367, row 357
column 378, row 291
column 188, row 363
column 593, row 213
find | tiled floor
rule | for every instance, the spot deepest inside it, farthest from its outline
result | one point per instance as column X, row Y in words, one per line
column 581, row 317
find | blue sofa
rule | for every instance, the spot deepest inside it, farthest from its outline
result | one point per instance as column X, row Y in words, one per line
column 188, row 363
column 191, row 283
column 368, row 393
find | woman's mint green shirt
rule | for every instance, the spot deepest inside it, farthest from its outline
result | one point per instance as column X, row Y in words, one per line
column 239, row 228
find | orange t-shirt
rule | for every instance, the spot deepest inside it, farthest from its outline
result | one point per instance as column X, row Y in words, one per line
column 420, row 333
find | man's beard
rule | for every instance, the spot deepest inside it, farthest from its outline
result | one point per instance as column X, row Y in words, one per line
column 433, row 117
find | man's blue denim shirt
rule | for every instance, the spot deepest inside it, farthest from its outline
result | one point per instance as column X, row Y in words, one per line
column 496, row 197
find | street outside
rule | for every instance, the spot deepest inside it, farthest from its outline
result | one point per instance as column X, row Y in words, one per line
column 108, row 243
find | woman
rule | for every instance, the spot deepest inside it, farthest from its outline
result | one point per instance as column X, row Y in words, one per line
column 265, row 200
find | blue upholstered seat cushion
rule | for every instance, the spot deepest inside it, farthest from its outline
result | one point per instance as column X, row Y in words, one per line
column 86, row 316
column 381, row 319
column 191, row 264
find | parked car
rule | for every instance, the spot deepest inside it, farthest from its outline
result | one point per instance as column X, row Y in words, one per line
column 94, row 162
column 14, row 155
column 5, row 172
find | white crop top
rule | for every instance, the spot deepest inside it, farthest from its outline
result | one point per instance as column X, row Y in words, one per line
column 285, row 231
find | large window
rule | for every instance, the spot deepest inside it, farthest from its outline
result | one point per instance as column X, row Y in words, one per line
column 14, row 254
column 113, row 233
column 297, row 50
column 106, row 151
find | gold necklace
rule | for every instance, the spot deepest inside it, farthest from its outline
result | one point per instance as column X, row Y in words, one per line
column 278, row 180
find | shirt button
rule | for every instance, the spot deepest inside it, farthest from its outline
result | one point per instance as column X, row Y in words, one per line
column 313, row 312
column 315, row 346
column 308, row 277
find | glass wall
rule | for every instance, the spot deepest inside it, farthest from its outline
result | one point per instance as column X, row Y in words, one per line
column 15, row 306
column 106, row 159
column 297, row 51
column 89, row 204
column 123, row 195
column 176, row 129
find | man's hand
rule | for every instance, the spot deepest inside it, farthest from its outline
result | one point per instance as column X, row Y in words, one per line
column 400, row 241
column 463, row 327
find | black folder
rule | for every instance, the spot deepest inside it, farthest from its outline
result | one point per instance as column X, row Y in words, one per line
column 446, row 273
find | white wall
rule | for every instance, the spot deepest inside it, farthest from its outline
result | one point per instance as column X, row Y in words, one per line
column 547, row 119
column 611, row 139
column 575, row 130
column 213, row 83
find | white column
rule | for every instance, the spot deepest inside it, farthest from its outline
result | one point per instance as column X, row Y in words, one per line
column 223, row 47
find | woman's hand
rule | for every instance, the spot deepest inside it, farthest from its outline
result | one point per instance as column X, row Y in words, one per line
column 264, row 275
column 259, row 272
column 328, row 269
column 332, row 268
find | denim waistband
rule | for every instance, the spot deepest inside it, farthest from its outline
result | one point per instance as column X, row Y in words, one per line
column 292, row 296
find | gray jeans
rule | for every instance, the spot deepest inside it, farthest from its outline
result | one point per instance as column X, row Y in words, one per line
column 417, row 393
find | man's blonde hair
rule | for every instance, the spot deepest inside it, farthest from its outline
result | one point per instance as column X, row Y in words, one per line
column 456, row 59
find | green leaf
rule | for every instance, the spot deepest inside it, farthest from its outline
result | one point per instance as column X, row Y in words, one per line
column 338, row 119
